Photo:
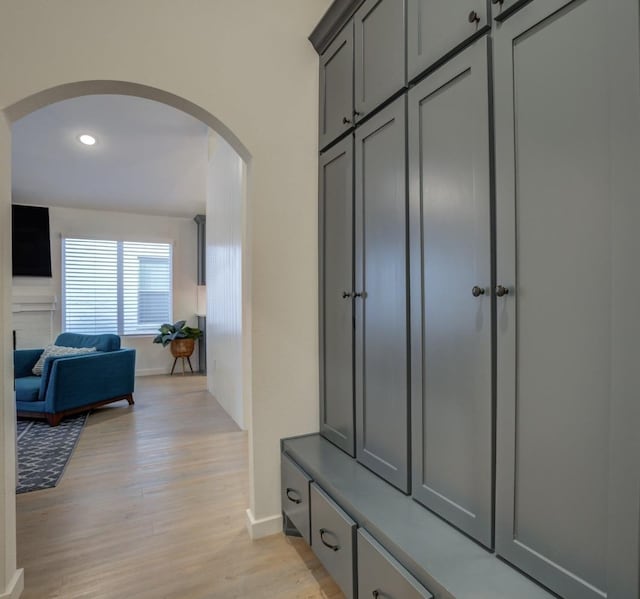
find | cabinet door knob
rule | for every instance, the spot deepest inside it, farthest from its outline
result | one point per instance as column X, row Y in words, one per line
column 477, row 291
column 359, row 294
column 346, row 294
column 501, row 291
column 346, row 121
column 474, row 17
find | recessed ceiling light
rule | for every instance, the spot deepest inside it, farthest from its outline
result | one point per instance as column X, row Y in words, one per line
column 87, row 140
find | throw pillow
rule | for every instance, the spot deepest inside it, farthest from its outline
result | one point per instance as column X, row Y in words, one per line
column 59, row 351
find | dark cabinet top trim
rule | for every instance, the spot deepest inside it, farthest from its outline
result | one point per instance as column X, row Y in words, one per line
column 337, row 15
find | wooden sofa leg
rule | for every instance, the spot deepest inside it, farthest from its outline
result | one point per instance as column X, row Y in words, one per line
column 130, row 399
column 54, row 419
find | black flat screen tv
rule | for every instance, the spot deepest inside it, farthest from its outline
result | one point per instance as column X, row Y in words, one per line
column 31, row 241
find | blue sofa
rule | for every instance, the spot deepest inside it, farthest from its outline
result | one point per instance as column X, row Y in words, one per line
column 73, row 384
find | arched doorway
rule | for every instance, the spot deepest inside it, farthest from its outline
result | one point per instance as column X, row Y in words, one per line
column 11, row 114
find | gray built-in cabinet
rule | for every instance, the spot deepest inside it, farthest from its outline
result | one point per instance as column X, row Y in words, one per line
column 567, row 486
column 437, row 27
column 451, row 299
column 364, row 66
column 335, row 214
column 478, row 293
column 380, row 65
column 336, row 87
column 381, row 306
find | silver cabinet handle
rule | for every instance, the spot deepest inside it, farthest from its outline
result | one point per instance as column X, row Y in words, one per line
column 501, row 291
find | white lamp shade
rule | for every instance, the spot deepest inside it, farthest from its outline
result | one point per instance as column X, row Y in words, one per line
column 202, row 301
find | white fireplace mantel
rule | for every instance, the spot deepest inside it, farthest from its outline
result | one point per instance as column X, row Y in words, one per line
column 33, row 319
column 34, row 303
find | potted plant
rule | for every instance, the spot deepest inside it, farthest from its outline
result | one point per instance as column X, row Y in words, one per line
column 181, row 339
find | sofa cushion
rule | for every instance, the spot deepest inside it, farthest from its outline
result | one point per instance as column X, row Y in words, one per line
column 58, row 351
column 106, row 342
column 27, row 388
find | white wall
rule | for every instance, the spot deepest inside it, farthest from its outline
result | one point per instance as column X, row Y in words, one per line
column 101, row 224
column 249, row 64
column 225, row 231
column 11, row 580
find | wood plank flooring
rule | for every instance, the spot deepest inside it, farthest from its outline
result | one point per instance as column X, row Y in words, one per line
column 152, row 507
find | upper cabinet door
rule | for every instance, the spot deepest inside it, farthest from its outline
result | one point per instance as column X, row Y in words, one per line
column 336, row 87
column 380, row 68
column 568, row 460
column 382, row 418
column 336, row 299
column 451, row 316
column 436, row 27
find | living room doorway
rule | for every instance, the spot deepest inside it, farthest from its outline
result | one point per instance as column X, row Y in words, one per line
column 228, row 150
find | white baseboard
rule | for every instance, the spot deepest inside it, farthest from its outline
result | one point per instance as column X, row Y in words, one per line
column 15, row 587
column 151, row 371
column 263, row 527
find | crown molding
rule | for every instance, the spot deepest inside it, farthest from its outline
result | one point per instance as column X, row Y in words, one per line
column 337, row 15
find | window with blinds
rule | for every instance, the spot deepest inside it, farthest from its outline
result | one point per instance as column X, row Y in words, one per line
column 121, row 287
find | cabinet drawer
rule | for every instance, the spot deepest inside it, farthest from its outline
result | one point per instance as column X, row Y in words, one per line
column 381, row 575
column 333, row 539
column 295, row 496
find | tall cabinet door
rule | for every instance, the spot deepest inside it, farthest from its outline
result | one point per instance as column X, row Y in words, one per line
column 336, row 87
column 451, row 315
column 436, row 27
column 336, row 303
column 380, row 67
column 381, row 305
column 566, row 106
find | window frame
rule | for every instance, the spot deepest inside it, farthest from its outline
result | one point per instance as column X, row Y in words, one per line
column 120, row 318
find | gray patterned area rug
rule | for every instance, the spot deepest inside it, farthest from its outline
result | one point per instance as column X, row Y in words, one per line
column 44, row 451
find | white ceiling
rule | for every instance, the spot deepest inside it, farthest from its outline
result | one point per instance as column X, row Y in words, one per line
column 150, row 158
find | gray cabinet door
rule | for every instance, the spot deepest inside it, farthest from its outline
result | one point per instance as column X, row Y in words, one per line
column 436, row 27
column 336, row 87
column 451, row 315
column 381, row 311
column 380, row 67
column 568, row 459
column 336, row 303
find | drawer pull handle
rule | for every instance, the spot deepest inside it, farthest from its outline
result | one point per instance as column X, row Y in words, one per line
column 297, row 499
column 324, row 531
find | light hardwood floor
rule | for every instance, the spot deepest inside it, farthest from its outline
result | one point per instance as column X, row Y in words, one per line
column 152, row 507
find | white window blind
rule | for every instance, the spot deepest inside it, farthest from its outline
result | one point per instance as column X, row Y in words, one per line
column 120, row 287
